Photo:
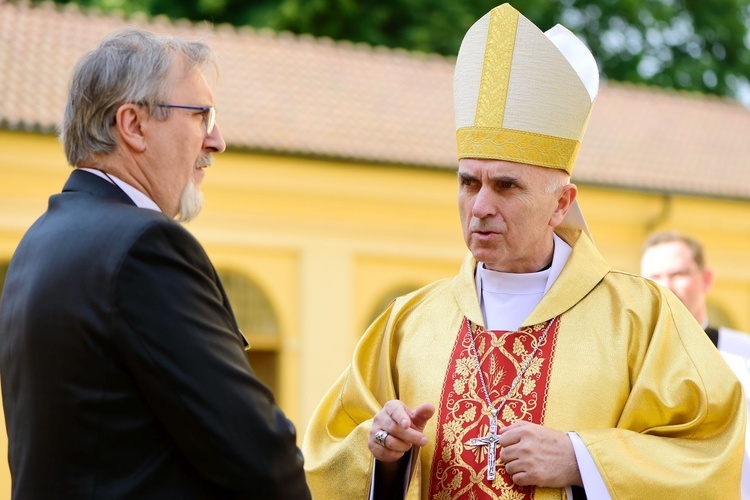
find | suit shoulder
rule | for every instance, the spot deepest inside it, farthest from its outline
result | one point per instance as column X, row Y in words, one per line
column 160, row 233
column 142, row 224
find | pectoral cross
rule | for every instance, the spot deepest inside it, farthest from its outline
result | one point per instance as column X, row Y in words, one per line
column 490, row 441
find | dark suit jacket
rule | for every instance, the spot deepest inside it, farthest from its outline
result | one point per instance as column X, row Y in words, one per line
column 123, row 370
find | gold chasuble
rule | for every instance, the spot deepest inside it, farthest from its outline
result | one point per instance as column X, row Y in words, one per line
column 624, row 365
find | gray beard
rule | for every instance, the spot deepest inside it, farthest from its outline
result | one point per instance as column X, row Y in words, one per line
column 191, row 203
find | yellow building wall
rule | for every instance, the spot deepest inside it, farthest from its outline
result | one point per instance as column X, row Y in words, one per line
column 330, row 242
column 352, row 234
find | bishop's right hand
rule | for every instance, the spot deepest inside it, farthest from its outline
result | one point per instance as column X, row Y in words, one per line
column 396, row 428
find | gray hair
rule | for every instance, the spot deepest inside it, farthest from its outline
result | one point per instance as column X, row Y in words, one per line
column 557, row 179
column 130, row 65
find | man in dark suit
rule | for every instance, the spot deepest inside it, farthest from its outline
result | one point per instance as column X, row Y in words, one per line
column 123, row 369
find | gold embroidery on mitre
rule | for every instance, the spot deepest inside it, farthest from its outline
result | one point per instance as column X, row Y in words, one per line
column 518, row 146
column 496, row 66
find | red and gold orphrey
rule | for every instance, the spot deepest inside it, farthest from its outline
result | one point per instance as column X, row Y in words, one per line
column 459, row 469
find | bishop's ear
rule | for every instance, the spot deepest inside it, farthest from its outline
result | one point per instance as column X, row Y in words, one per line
column 565, row 199
column 130, row 121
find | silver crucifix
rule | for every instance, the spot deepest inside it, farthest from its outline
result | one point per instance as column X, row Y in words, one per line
column 490, row 441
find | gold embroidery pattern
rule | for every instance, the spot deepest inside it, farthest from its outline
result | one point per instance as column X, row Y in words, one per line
column 459, row 470
column 498, row 58
column 517, row 145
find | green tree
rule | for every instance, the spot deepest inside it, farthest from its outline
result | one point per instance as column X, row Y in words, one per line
column 258, row 13
column 685, row 44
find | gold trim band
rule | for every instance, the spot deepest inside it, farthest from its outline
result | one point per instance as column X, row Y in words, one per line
column 518, row 146
column 496, row 66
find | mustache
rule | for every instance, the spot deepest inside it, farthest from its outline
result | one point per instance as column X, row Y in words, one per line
column 204, row 160
column 479, row 226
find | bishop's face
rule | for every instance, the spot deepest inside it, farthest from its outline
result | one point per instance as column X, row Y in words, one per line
column 508, row 212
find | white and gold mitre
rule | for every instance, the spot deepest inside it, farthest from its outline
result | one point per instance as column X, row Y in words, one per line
column 520, row 94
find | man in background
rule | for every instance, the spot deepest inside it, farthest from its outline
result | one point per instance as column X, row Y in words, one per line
column 677, row 261
column 123, row 370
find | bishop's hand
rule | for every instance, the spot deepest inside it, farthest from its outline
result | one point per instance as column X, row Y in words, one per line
column 535, row 455
column 396, row 428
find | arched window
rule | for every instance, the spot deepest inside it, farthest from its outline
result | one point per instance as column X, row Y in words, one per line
column 257, row 320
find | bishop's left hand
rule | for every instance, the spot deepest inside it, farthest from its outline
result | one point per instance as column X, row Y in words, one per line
column 535, row 455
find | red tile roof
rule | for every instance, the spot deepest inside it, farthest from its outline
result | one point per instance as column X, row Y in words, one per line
column 307, row 96
column 655, row 139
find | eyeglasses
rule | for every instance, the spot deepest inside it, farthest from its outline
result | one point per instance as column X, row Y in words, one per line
column 209, row 114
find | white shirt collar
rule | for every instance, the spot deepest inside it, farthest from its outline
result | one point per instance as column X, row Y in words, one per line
column 140, row 199
column 507, row 299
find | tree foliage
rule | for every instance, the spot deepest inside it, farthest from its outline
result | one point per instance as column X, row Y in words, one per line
column 685, row 44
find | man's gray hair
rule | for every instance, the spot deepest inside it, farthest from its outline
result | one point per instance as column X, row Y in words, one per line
column 128, row 66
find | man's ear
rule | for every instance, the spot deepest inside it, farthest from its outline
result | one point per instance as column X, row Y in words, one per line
column 708, row 279
column 129, row 121
column 565, row 199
